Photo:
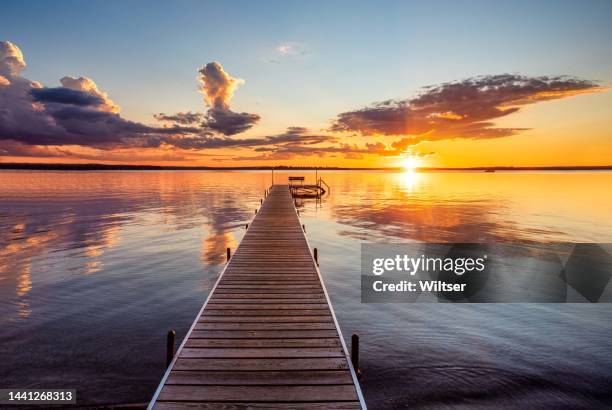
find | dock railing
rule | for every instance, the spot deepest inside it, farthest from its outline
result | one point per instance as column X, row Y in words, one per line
column 321, row 182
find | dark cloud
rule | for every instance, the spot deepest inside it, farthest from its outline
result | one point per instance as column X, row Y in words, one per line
column 463, row 109
column 228, row 122
column 182, row 118
column 294, row 136
column 290, row 148
column 62, row 95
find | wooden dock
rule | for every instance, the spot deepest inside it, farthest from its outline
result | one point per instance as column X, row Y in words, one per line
column 267, row 336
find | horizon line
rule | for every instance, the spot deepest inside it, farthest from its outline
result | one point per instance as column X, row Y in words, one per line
column 119, row 167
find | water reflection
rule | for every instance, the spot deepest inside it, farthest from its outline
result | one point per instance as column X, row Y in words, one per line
column 92, row 260
column 409, row 180
column 471, row 207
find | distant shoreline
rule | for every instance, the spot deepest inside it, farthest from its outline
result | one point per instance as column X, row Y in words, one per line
column 106, row 167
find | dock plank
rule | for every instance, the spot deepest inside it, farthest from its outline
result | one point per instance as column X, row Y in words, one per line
column 254, row 394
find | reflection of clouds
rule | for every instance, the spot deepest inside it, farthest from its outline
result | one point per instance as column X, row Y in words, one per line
column 24, row 281
column 107, row 239
column 214, row 247
column 63, row 223
column 222, row 216
column 16, row 254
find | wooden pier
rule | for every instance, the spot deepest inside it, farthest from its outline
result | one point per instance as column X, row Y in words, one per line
column 267, row 336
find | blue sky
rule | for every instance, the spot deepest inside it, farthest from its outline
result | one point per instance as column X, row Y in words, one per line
column 345, row 54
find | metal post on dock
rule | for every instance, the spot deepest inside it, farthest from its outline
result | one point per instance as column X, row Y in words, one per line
column 229, row 254
column 261, row 201
column 246, row 226
column 355, row 354
column 316, row 256
column 170, row 347
column 255, row 211
column 304, row 227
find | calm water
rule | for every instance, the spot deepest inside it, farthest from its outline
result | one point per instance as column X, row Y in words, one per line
column 96, row 267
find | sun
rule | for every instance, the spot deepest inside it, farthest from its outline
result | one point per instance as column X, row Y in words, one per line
column 410, row 163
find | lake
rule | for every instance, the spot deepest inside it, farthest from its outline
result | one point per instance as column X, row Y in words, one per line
column 96, row 267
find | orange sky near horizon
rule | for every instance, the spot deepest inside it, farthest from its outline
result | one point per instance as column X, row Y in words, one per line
column 568, row 132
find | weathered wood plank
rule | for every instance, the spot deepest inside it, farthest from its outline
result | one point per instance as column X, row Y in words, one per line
column 266, row 305
column 263, row 352
column 262, row 334
column 297, row 364
column 289, row 301
column 167, row 405
column 235, row 295
column 265, row 326
column 219, row 291
column 258, row 393
column 267, row 319
column 254, row 378
column 285, row 342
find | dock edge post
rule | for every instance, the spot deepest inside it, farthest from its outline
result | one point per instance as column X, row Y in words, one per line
column 229, row 253
column 316, row 255
column 170, row 347
column 355, row 354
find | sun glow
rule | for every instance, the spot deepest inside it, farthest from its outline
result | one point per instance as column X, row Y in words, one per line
column 410, row 164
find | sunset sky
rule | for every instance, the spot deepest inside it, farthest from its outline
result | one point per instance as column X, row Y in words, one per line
column 342, row 83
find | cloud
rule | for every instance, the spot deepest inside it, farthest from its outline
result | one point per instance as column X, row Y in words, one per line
column 228, row 122
column 88, row 86
column 63, row 95
column 462, row 109
column 217, row 85
column 291, row 48
column 299, row 142
column 183, row 118
column 285, row 48
column 218, row 88
column 77, row 113
column 293, row 136
column 11, row 59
